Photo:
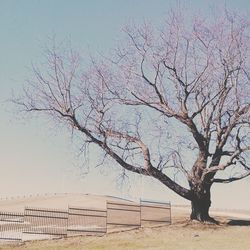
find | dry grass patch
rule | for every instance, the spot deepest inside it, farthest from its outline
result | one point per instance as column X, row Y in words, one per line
column 182, row 235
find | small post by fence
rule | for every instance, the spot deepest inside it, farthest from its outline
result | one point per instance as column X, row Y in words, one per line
column 170, row 212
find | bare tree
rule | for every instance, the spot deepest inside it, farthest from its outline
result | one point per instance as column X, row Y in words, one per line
column 168, row 103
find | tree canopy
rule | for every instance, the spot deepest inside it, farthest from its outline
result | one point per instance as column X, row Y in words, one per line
column 168, row 101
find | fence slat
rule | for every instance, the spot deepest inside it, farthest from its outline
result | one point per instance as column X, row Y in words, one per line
column 121, row 214
column 155, row 212
column 83, row 221
column 43, row 221
column 11, row 226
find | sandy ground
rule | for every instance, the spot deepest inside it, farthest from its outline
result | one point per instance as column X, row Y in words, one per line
column 240, row 214
column 58, row 201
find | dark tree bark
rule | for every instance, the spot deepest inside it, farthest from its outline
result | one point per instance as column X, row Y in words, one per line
column 200, row 204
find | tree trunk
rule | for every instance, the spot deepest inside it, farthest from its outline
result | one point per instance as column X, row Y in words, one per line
column 200, row 205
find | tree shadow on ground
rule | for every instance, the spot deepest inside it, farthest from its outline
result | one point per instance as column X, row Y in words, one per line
column 239, row 223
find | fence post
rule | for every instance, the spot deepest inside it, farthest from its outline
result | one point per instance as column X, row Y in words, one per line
column 140, row 214
column 67, row 225
column 106, row 217
column 170, row 214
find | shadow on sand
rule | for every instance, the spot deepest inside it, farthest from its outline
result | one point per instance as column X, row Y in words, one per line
column 239, row 223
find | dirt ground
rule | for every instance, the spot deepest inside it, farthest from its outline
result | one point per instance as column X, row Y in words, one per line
column 233, row 233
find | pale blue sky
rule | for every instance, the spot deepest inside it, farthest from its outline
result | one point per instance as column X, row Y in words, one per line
column 33, row 157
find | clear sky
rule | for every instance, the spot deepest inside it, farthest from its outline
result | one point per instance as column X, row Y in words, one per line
column 34, row 156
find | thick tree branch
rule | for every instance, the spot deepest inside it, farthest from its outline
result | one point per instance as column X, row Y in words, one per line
column 232, row 179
